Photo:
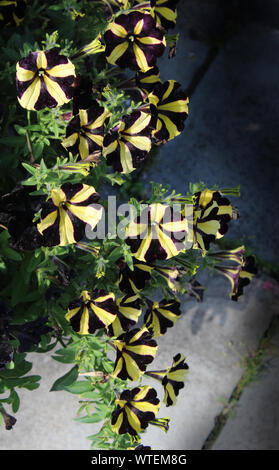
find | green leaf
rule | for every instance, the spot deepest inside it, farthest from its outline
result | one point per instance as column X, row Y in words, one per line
column 95, row 418
column 30, row 168
column 15, row 401
column 79, row 387
column 91, row 395
column 18, row 371
column 66, row 356
column 65, row 380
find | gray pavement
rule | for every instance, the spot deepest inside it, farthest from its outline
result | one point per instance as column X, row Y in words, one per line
column 230, row 138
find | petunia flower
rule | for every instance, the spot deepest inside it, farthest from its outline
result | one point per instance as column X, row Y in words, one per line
column 65, row 215
column 129, row 309
column 212, row 212
column 161, row 316
column 134, row 410
column 91, row 311
column 172, row 379
column 44, row 79
column 146, row 81
column 135, row 350
column 133, row 40
column 85, row 132
column 239, row 276
column 170, row 275
column 162, row 423
column 12, row 12
column 158, row 233
column 170, row 105
column 164, row 12
column 236, row 255
column 132, row 282
column 127, row 144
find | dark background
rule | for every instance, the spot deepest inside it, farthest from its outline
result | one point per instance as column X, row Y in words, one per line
column 228, row 61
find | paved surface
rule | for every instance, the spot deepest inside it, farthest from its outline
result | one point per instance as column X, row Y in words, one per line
column 231, row 138
column 257, row 412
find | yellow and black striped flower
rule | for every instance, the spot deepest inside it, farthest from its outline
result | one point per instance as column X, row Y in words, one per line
column 85, row 132
column 165, row 12
column 239, row 276
column 172, row 379
column 132, row 282
column 129, row 309
column 169, row 274
column 211, row 215
column 237, row 255
column 169, row 103
column 12, row 12
column 91, row 311
column 161, row 316
column 134, row 41
column 127, row 144
column 135, row 350
column 134, row 409
column 65, row 215
column 146, row 81
column 158, row 233
column 44, row 79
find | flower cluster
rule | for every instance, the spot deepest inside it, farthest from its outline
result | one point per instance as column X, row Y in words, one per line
column 102, row 128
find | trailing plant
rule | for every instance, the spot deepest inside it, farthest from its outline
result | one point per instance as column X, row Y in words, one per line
column 76, row 272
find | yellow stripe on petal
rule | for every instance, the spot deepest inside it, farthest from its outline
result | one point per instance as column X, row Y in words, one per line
column 142, row 143
column 148, row 40
column 168, row 90
column 23, row 75
column 157, row 212
column 145, row 244
column 117, row 52
column 83, row 194
column 56, row 91
column 62, row 70
column 88, row 215
column 71, row 313
column 58, row 196
column 71, row 140
column 106, row 317
column 115, row 427
column 142, row 393
column 110, row 148
column 83, row 147
column 125, row 159
column 48, row 221
column 140, row 58
column 118, row 367
column 138, row 27
column 133, row 420
column 167, row 244
column 179, row 106
column 98, row 139
column 118, row 30
column 41, row 60
column 104, row 298
column 167, row 13
column 171, row 127
column 139, row 125
column 31, row 95
column 132, row 367
column 66, row 229
column 84, row 322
